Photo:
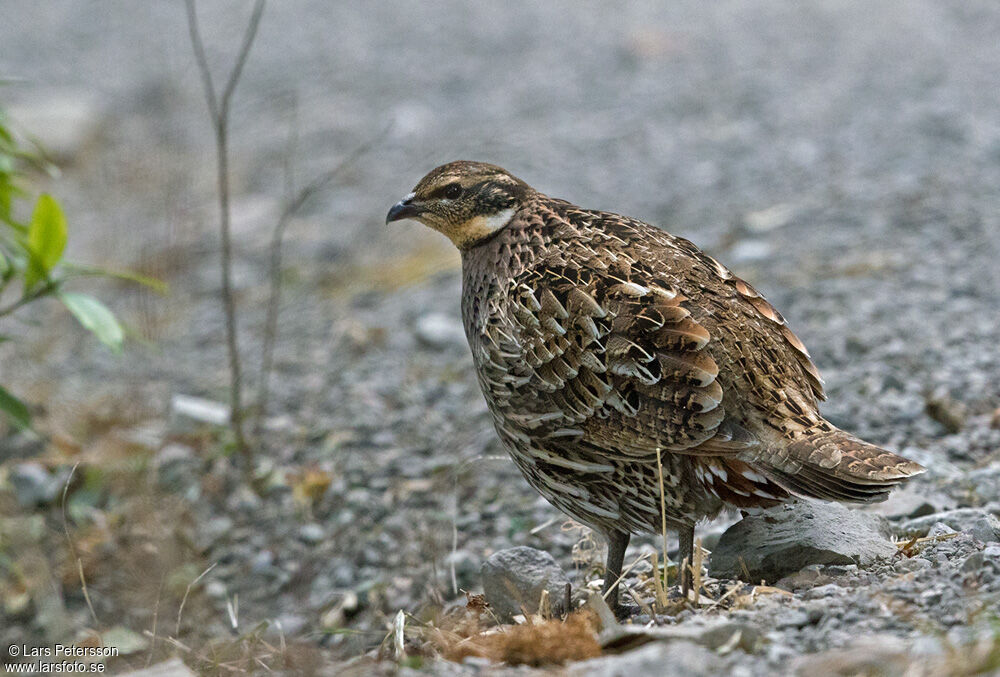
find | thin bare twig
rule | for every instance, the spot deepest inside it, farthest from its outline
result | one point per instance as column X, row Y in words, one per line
column 47, row 288
column 293, row 203
column 219, row 109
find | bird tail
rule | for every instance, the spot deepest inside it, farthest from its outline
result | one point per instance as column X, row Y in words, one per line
column 837, row 466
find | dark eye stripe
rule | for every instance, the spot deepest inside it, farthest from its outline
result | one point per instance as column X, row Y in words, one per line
column 443, row 191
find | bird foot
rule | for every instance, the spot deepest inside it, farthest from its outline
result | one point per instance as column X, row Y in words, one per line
column 623, row 612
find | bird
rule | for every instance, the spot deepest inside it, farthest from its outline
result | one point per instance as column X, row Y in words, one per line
column 638, row 384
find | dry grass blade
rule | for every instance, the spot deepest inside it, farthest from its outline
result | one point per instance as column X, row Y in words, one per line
column 72, row 546
column 695, row 569
column 646, row 609
column 658, row 588
column 399, row 628
column 622, row 576
column 744, row 569
column 663, row 512
column 233, row 611
column 545, row 605
column 156, row 619
column 187, row 591
column 729, row 593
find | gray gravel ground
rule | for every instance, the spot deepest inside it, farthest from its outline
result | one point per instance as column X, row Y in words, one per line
column 844, row 157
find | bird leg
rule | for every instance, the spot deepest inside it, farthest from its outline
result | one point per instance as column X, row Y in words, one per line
column 617, row 543
column 685, row 535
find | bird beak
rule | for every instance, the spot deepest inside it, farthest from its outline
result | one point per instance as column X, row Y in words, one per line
column 404, row 209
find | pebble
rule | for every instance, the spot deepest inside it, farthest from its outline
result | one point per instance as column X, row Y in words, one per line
column 939, row 529
column 34, row 485
column 213, row 531
column 291, row 625
column 794, row 618
column 828, row 590
column 912, row 564
column 263, row 562
column 439, row 331
column 188, row 414
column 467, row 567
column 176, row 466
column 978, row 560
column 956, row 520
column 216, row 589
column 985, row 529
column 312, row 533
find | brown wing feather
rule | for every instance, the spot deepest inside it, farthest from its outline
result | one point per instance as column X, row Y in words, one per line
column 617, row 358
column 617, row 331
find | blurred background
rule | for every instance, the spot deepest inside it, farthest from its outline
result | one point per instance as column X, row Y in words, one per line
column 842, row 156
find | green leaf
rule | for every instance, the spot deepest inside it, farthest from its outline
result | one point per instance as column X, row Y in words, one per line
column 14, row 409
column 47, row 235
column 96, row 318
column 6, row 268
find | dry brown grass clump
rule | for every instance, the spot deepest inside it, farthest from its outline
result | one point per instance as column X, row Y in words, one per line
column 539, row 643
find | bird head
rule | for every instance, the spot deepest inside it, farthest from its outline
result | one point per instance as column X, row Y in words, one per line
column 466, row 201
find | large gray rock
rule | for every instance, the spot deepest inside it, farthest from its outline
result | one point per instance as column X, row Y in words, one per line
column 783, row 540
column 513, row 581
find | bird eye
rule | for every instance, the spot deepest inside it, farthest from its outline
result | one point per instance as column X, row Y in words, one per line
column 453, row 191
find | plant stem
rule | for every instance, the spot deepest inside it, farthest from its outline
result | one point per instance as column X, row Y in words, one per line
column 219, row 109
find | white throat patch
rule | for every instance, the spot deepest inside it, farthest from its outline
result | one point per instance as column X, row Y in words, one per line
column 487, row 225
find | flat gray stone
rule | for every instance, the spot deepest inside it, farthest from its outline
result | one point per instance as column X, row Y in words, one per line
column 513, row 581
column 789, row 537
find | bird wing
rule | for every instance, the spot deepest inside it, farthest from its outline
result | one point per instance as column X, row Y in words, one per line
column 615, row 350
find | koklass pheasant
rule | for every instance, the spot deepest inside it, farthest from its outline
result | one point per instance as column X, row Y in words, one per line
column 608, row 349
